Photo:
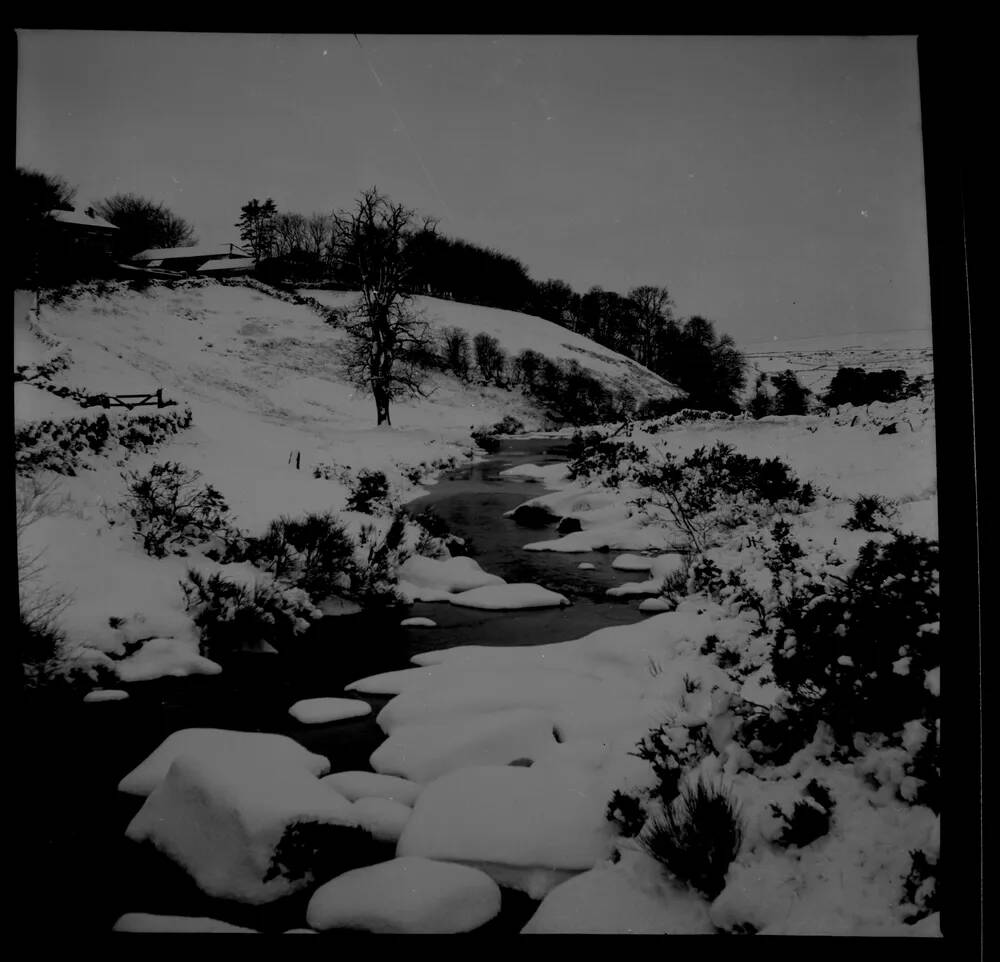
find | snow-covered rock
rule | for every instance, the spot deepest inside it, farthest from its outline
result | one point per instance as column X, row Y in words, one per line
column 159, row 657
column 632, row 562
column 105, row 694
column 451, row 575
column 505, row 597
column 528, row 828
column 242, row 825
column 218, row 743
column 423, row 752
column 586, row 566
column 610, row 900
column 144, row 922
column 355, row 785
column 382, row 817
column 406, row 896
column 316, row 711
column 418, row 623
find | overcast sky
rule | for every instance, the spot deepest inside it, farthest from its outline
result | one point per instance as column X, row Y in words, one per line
column 774, row 185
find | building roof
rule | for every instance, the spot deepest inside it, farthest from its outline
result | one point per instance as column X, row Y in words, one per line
column 173, row 253
column 228, row 264
column 81, row 218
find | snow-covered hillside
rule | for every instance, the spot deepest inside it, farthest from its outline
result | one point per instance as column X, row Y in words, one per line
column 519, row 332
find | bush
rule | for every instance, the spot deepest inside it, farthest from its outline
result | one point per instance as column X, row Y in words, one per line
column 697, row 837
column 233, row 616
column 670, row 750
column 627, row 813
column 718, row 485
column 314, row 552
column 854, row 652
column 373, row 577
column 526, row 367
column 318, row 850
column 487, row 440
column 171, row 510
column 809, row 819
column 370, row 494
column 604, row 456
column 456, row 351
column 871, row 512
column 920, row 887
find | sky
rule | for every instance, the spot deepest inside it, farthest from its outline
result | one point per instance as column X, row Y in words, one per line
column 772, row 184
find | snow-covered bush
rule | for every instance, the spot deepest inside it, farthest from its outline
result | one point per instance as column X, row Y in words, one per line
column 370, row 493
column 920, row 887
column 232, row 616
column 314, row 552
column 487, row 440
column 854, row 651
column 60, row 445
column 871, row 512
column 613, row 461
column 333, row 472
column 437, row 534
column 718, row 486
column 379, row 555
column 697, row 837
column 320, row 851
column 170, row 509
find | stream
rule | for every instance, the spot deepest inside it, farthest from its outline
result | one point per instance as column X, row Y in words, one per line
column 74, row 818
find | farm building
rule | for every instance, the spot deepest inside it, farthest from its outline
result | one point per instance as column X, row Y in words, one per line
column 84, row 228
column 188, row 259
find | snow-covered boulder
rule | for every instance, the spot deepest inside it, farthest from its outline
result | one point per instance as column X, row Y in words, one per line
column 105, row 694
column 506, row 597
column 453, row 574
column 144, row 922
column 161, row 657
column 611, row 900
column 406, row 896
column 316, row 711
column 632, row 562
column 423, row 752
column 218, row 743
column 418, row 623
column 528, row 828
column 355, row 785
column 382, row 817
column 245, row 826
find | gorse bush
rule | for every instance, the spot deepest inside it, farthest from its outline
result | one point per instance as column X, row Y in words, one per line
column 232, row 616
column 370, row 494
column 314, row 552
column 171, row 510
column 718, row 485
column 871, row 512
column 378, row 557
column 697, row 837
column 627, row 812
column 614, row 459
column 854, row 652
column 670, row 750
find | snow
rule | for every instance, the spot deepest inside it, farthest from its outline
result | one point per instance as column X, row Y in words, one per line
column 317, row 711
column 105, row 694
column 632, row 562
column 355, row 785
column 506, row 597
column 81, row 218
column 218, row 743
column 425, row 751
column 406, row 896
column 518, row 824
column 144, row 922
column 383, row 817
column 619, row 900
column 452, row 575
column 160, row 657
column 418, row 623
column 586, row 566
column 244, row 803
column 545, row 473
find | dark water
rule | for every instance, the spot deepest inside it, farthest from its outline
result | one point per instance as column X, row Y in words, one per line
column 77, row 863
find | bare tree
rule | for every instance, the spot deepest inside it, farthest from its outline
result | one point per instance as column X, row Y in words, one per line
column 289, row 233
column 387, row 337
column 317, row 231
column 654, row 307
column 144, row 224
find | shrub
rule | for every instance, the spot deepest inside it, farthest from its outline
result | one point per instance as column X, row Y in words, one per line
column 854, row 652
column 232, row 616
column 627, row 813
column 871, row 512
column 526, row 367
column 920, row 887
column 487, row 440
column 614, row 459
column 697, row 837
column 670, row 750
column 170, row 509
column 373, row 576
column 508, row 425
column 314, row 552
column 809, row 819
column 370, row 493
